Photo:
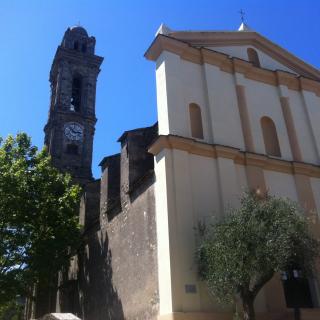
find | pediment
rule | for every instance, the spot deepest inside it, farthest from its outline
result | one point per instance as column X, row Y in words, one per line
column 212, row 39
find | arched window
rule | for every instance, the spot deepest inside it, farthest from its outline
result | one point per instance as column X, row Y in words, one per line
column 75, row 102
column 76, row 45
column 84, row 48
column 270, row 137
column 195, row 121
column 253, row 57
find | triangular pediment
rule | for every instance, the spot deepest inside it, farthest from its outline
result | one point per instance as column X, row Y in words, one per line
column 212, row 39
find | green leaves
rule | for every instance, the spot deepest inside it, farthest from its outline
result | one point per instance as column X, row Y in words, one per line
column 38, row 216
column 241, row 253
column 12, row 310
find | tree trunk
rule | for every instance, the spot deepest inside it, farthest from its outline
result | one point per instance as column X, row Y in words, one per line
column 248, row 309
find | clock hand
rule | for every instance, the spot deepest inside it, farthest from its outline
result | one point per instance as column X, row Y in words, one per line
column 73, row 131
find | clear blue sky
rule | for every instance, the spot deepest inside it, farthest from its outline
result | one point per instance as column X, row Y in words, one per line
column 126, row 98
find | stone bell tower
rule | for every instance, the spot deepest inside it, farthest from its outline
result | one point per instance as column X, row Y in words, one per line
column 70, row 128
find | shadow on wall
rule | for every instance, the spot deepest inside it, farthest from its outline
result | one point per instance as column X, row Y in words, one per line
column 100, row 301
column 93, row 296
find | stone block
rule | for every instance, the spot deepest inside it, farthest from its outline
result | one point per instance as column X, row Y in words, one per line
column 60, row 316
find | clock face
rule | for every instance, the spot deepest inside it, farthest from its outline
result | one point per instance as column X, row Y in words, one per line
column 73, row 131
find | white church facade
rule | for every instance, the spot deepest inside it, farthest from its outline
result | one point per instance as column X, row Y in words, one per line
column 235, row 112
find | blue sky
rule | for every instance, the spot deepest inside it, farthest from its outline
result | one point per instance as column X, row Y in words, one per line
column 126, row 97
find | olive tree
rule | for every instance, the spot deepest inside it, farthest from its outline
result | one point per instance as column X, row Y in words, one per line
column 240, row 254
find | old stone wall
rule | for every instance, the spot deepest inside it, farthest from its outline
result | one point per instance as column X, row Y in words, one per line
column 115, row 275
column 132, row 246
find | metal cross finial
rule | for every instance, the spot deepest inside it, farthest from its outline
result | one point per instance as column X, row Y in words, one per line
column 242, row 13
column 79, row 24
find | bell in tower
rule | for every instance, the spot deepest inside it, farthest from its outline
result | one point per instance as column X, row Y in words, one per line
column 71, row 123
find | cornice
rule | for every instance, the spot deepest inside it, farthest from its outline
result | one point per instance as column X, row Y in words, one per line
column 309, row 85
column 78, row 58
column 238, row 156
column 287, row 79
column 71, row 116
column 218, row 59
column 232, row 65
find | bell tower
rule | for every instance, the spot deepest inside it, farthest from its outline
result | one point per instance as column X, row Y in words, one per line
column 71, row 122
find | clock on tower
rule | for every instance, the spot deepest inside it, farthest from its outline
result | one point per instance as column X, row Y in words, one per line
column 70, row 128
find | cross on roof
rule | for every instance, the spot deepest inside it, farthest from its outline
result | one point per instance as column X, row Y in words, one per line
column 242, row 14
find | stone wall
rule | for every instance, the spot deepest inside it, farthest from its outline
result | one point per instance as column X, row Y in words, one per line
column 115, row 275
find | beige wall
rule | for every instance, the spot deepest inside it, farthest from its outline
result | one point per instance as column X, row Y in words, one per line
column 199, row 187
column 192, row 186
column 222, row 106
column 281, row 184
column 300, row 118
column 181, row 82
column 263, row 100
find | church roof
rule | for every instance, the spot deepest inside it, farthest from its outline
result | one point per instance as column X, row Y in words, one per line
column 243, row 36
column 124, row 135
column 107, row 159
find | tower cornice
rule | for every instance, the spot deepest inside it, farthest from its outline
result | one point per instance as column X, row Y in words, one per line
column 74, row 57
column 77, row 56
column 73, row 117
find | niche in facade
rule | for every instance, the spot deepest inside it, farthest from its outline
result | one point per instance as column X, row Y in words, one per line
column 270, row 137
column 253, row 57
column 195, row 121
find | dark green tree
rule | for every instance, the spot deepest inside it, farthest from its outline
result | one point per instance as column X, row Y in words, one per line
column 39, row 228
column 240, row 254
column 11, row 310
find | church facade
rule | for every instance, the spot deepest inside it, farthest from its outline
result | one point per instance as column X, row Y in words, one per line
column 235, row 112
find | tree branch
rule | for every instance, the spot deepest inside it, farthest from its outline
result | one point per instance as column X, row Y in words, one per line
column 262, row 281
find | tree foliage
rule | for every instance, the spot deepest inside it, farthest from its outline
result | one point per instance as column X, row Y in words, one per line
column 241, row 253
column 11, row 310
column 38, row 224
